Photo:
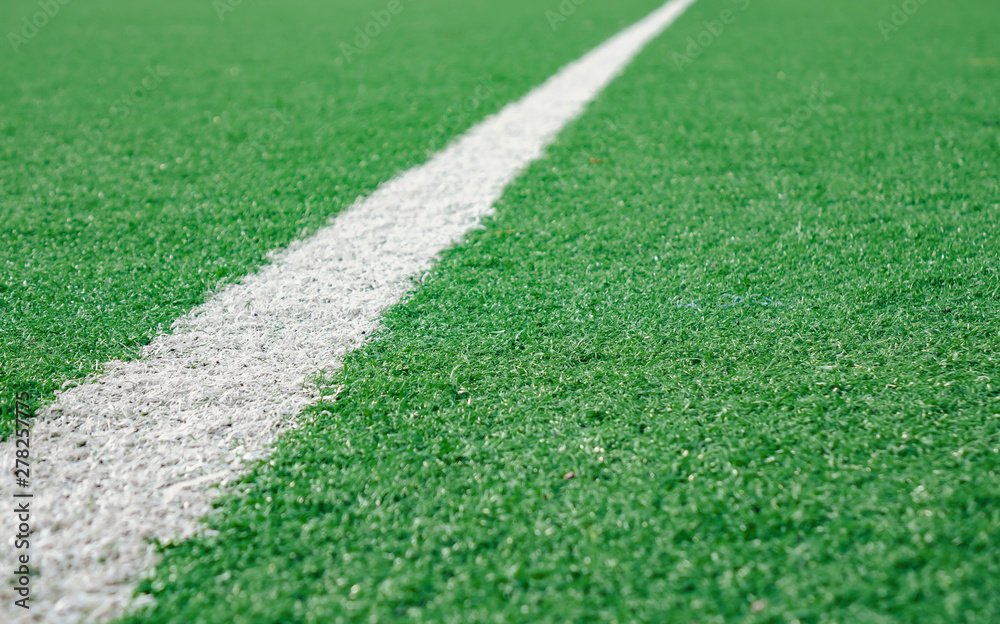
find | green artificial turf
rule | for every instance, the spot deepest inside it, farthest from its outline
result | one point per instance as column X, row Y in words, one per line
column 721, row 357
column 151, row 150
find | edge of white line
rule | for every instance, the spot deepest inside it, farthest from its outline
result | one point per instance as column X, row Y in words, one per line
column 136, row 453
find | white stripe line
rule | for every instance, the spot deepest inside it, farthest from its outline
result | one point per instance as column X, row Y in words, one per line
column 133, row 454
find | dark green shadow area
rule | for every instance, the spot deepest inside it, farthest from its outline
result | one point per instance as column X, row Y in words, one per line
column 729, row 354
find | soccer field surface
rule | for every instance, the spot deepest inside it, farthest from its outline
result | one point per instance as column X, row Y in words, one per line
column 726, row 352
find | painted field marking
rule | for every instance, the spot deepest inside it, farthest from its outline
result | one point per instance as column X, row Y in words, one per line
column 136, row 453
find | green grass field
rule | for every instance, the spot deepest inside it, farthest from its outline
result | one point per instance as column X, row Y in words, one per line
column 123, row 204
column 728, row 354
